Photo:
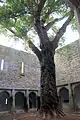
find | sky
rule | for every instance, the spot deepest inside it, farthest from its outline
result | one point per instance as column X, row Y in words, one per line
column 10, row 42
column 70, row 36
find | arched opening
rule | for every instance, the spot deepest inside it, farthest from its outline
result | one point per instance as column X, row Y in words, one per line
column 64, row 98
column 32, row 100
column 19, row 100
column 4, row 103
column 76, row 97
column 64, row 95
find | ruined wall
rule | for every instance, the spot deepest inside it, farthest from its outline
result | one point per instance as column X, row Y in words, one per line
column 67, row 60
column 10, row 76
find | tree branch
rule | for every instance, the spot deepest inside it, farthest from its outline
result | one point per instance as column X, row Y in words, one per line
column 50, row 24
column 35, row 50
column 31, row 45
column 76, row 3
column 62, row 31
column 46, row 15
column 40, row 6
column 12, row 31
column 40, row 25
column 41, row 31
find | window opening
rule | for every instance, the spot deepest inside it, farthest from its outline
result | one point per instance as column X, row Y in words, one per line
column 2, row 64
column 22, row 68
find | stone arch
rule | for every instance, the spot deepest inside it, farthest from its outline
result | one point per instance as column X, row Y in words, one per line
column 4, row 101
column 76, row 97
column 19, row 100
column 32, row 100
column 64, row 95
column 64, row 98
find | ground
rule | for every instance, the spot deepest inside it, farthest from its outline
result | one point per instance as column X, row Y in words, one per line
column 32, row 116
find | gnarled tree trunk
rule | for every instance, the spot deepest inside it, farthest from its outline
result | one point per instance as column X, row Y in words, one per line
column 49, row 97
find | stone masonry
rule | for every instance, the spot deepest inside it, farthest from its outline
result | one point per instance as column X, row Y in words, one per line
column 10, row 76
column 67, row 61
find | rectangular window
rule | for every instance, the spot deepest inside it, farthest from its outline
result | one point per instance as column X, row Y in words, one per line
column 22, row 68
column 2, row 64
column 6, row 101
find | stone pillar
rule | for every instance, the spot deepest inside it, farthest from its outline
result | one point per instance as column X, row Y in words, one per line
column 13, row 102
column 28, row 98
column 37, row 99
column 25, row 101
column 70, row 97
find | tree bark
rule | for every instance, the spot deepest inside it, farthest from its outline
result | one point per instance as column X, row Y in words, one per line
column 76, row 3
column 49, row 97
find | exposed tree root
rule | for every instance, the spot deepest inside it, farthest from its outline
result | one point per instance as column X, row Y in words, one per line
column 53, row 115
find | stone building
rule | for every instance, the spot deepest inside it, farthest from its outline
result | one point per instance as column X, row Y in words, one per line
column 67, row 61
column 20, row 78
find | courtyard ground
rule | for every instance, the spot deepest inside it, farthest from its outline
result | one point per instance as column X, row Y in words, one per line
column 32, row 116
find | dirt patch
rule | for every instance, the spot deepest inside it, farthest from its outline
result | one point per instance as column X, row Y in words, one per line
column 32, row 116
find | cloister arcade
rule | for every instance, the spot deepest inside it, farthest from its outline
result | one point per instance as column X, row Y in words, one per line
column 30, row 99
column 70, row 96
column 18, row 100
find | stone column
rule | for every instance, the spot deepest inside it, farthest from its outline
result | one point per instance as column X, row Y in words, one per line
column 37, row 100
column 70, row 97
column 28, row 98
column 13, row 102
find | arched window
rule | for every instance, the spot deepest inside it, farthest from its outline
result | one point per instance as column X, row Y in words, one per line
column 4, row 103
column 64, row 95
column 19, row 100
column 76, row 96
column 32, row 100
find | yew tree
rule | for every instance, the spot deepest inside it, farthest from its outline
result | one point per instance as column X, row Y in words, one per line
column 20, row 16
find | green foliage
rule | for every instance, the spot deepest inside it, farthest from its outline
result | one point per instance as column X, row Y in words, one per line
column 19, row 14
column 73, row 24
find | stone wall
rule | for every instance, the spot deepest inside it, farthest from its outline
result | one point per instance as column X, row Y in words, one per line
column 67, row 60
column 11, row 77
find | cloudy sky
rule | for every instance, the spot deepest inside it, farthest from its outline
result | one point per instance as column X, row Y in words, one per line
column 69, row 35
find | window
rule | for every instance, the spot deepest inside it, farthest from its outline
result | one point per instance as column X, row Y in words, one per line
column 22, row 68
column 2, row 64
column 6, row 101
